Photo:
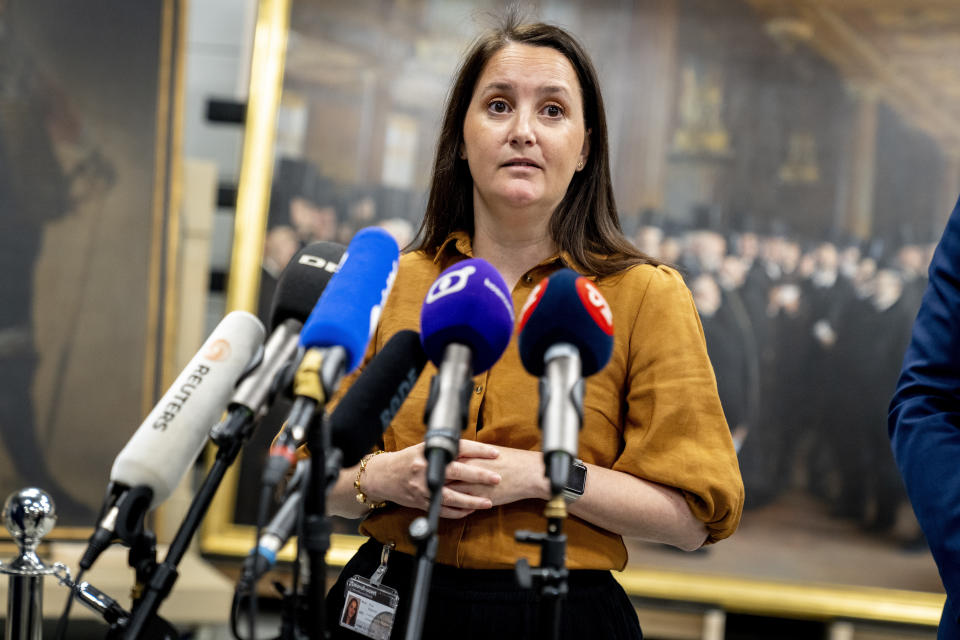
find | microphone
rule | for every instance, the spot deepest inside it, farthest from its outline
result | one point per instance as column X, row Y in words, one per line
column 263, row 557
column 335, row 336
column 298, row 288
column 348, row 311
column 149, row 467
column 356, row 424
column 465, row 326
column 565, row 334
column 303, row 280
column 368, row 407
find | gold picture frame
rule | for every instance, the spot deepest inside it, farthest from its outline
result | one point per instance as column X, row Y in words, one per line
column 733, row 593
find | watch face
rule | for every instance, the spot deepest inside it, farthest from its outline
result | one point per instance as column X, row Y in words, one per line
column 578, row 478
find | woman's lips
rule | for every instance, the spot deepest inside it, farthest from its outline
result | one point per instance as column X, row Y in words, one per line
column 521, row 163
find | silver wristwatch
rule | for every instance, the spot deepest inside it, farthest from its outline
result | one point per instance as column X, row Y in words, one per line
column 576, row 482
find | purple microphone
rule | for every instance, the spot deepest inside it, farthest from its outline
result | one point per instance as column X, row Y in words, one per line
column 465, row 326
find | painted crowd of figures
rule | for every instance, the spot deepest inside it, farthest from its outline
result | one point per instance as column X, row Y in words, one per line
column 806, row 340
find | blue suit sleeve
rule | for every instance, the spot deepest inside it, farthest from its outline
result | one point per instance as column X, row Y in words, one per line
column 924, row 418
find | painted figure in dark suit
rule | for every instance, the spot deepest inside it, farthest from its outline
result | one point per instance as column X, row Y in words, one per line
column 924, row 418
column 37, row 186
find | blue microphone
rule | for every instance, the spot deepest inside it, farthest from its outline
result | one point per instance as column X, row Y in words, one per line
column 465, row 326
column 565, row 333
column 335, row 336
column 349, row 308
column 300, row 285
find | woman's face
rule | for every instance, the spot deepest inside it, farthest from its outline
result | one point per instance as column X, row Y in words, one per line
column 351, row 609
column 524, row 129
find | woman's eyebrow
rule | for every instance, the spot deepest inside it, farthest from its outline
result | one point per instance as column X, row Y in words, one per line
column 498, row 86
column 553, row 89
column 544, row 90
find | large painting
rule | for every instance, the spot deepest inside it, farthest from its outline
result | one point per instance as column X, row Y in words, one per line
column 86, row 175
column 797, row 183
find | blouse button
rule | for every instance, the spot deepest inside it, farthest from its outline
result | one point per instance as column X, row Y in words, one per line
column 477, row 389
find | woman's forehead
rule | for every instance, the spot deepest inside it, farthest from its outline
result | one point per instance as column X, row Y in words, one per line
column 521, row 66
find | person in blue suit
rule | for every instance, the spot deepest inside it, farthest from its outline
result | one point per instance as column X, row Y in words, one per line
column 924, row 418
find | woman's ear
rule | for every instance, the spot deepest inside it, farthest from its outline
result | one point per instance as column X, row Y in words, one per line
column 584, row 151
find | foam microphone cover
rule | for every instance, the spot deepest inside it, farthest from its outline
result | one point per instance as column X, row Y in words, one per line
column 170, row 438
column 565, row 308
column 468, row 304
column 368, row 407
column 303, row 280
column 349, row 307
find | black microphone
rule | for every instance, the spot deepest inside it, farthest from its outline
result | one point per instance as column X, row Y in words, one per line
column 356, row 425
column 303, row 280
column 368, row 407
column 298, row 288
column 335, row 338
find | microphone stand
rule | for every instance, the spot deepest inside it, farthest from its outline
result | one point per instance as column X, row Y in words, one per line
column 156, row 582
column 551, row 576
column 561, row 418
column 316, row 526
column 446, row 417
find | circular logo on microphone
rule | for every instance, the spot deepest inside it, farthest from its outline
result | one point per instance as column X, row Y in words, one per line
column 595, row 304
column 218, row 350
column 450, row 282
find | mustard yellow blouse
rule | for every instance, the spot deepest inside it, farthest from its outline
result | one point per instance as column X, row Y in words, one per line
column 652, row 412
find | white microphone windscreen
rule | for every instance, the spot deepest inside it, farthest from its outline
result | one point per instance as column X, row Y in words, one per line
column 173, row 434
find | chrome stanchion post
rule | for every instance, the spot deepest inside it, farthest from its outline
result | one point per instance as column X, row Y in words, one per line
column 28, row 515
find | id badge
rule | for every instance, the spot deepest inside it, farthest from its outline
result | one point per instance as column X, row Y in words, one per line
column 369, row 607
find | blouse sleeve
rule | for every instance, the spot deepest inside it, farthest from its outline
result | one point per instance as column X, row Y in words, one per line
column 675, row 433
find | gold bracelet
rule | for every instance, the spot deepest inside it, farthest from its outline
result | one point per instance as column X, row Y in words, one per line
column 361, row 496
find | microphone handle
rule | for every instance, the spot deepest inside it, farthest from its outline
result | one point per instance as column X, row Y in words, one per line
column 446, row 411
column 446, row 418
column 254, row 392
column 316, row 526
column 316, row 379
column 561, row 411
column 275, row 535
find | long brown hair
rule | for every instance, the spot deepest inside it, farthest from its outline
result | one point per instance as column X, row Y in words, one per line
column 585, row 224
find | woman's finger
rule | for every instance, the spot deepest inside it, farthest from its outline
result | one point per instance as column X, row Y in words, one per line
column 451, row 498
column 471, row 489
column 474, row 449
column 460, row 472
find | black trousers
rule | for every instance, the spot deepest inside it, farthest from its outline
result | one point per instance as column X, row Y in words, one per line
column 482, row 604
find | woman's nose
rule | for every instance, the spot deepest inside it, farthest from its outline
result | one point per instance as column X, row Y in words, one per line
column 522, row 134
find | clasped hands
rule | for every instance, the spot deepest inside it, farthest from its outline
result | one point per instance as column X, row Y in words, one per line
column 482, row 476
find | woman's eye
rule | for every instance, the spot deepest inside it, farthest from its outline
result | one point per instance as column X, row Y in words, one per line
column 553, row 110
column 498, row 106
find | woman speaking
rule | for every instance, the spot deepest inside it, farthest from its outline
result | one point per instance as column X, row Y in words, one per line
column 522, row 179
